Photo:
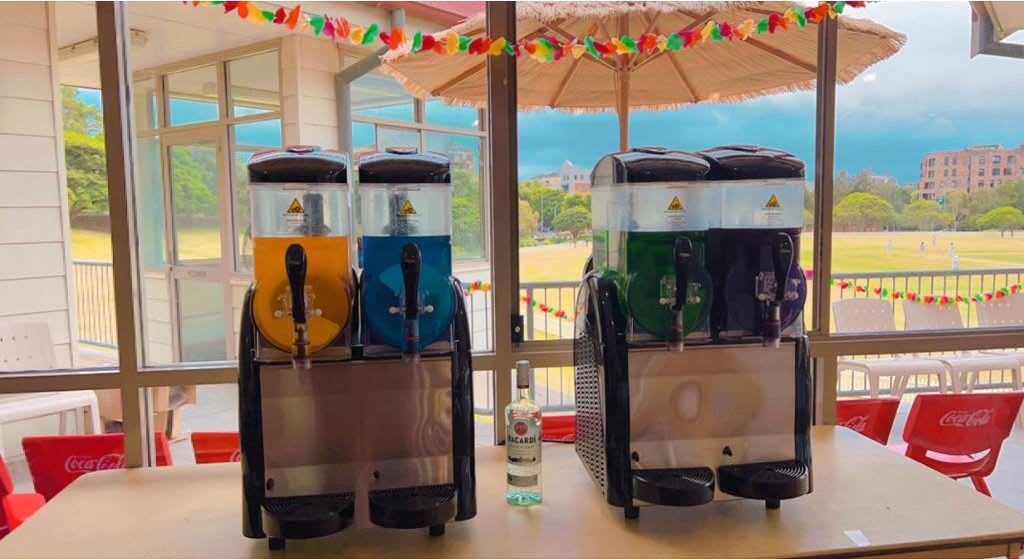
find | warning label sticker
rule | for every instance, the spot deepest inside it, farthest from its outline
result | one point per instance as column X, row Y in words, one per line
column 295, row 207
column 675, row 205
column 408, row 208
column 773, row 202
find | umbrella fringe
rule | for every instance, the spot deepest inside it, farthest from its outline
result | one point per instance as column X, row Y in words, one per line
column 891, row 43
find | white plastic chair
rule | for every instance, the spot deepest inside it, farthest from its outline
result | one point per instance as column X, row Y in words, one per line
column 28, row 347
column 965, row 367
column 1002, row 312
column 876, row 315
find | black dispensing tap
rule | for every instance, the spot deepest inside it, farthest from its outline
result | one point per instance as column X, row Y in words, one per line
column 411, row 263
column 295, row 267
column 682, row 256
column 782, row 261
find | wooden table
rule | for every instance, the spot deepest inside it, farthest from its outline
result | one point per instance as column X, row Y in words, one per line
column 867, row 501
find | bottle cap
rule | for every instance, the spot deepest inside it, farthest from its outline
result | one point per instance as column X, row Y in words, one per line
column 522, row 374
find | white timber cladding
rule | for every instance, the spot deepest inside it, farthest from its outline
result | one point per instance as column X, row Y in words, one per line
column 308, row 70
column 35, row 282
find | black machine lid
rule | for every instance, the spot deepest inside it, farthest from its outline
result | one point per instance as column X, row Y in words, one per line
column 299, row 164
column 401, row 165
column 649, row 164
column 752, row 162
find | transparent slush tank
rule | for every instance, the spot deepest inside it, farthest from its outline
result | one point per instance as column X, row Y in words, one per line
column 393, row 215
column 762, row 191
column 317, row 217
column 636, row 226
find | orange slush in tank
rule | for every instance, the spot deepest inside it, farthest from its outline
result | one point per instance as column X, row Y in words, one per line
column 328, row 289
column 300, row 195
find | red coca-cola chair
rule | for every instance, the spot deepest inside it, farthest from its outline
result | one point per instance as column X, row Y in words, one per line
column 871, row 417
column 14, row 507
column 55, row 461
column 216, row 446
column 559, row 428
column 960, row 435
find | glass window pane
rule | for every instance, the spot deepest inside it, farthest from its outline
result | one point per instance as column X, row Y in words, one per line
column 144, row 92
column 194, row 418
column 378, row 95
column 467, row 200
column 194, row 202
column 250, row 138
column 923, row 213
column 364, row 138
column 201, row 321
column 192, row 96
column 259, row 133
column 254, row 84
column 149, row 174
column 442, row 114
column 396, row 137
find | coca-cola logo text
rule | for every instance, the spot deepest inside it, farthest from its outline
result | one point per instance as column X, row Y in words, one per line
column 236, row 456
column 83, row 464
column 964, row 418
column 858, row 423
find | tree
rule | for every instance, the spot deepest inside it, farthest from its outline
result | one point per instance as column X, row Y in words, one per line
column 957, row 204
column 1003, row 218
column 573, row 221
column 575, row 199
column 465, row 227
column 863, row 211
column 194, row 182
column 927, row 215
column 885, row 188
column 528, row 220
column 86, row 166
column 85, row 158
column 545, row 200
column 79, row 116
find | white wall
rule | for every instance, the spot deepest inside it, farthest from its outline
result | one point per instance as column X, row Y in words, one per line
column 35, row 258
column 308, row 70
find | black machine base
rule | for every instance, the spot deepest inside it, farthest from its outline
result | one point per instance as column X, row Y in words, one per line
column 677, row 487
column 414, row 507
column 295, row 518
column 766, row 481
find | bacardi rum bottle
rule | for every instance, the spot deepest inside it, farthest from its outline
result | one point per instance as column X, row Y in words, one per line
column 522, row 443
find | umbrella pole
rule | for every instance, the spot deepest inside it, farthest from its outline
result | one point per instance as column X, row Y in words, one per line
column 622, row 109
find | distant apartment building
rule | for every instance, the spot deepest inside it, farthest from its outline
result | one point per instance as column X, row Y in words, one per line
column 574, row 178
column 969, row 170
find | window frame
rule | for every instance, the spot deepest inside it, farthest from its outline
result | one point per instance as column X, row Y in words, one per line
column 500, row 191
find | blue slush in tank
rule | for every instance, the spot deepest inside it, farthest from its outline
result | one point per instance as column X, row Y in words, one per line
column 405, row 200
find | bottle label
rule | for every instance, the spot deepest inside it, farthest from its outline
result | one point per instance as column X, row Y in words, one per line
column 522, row 481
column 522, row 441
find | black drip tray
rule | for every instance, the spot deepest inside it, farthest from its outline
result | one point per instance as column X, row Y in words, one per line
column 413, row 507
column 308, row 516
column 678, row 487
column 768, row 481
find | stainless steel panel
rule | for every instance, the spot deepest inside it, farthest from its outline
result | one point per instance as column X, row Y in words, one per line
column 685, row 409
column 331, row 428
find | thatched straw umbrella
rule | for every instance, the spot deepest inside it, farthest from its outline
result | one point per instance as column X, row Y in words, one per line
column 719, row 72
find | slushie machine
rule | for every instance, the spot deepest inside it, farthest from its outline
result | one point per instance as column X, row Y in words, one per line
column 334, row 432
column 692, row 373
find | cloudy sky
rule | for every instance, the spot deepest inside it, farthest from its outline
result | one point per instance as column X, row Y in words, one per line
column 930, row 96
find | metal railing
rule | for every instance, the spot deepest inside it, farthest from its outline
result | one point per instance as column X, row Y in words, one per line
column 553, row 386
column 965, row 283
column 94, row 302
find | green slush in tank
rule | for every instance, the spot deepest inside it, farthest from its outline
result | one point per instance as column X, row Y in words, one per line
column 644, row 201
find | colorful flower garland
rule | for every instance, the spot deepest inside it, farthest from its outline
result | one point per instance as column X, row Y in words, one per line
column 542, row 49
column 483, row 287
column 940, row 300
